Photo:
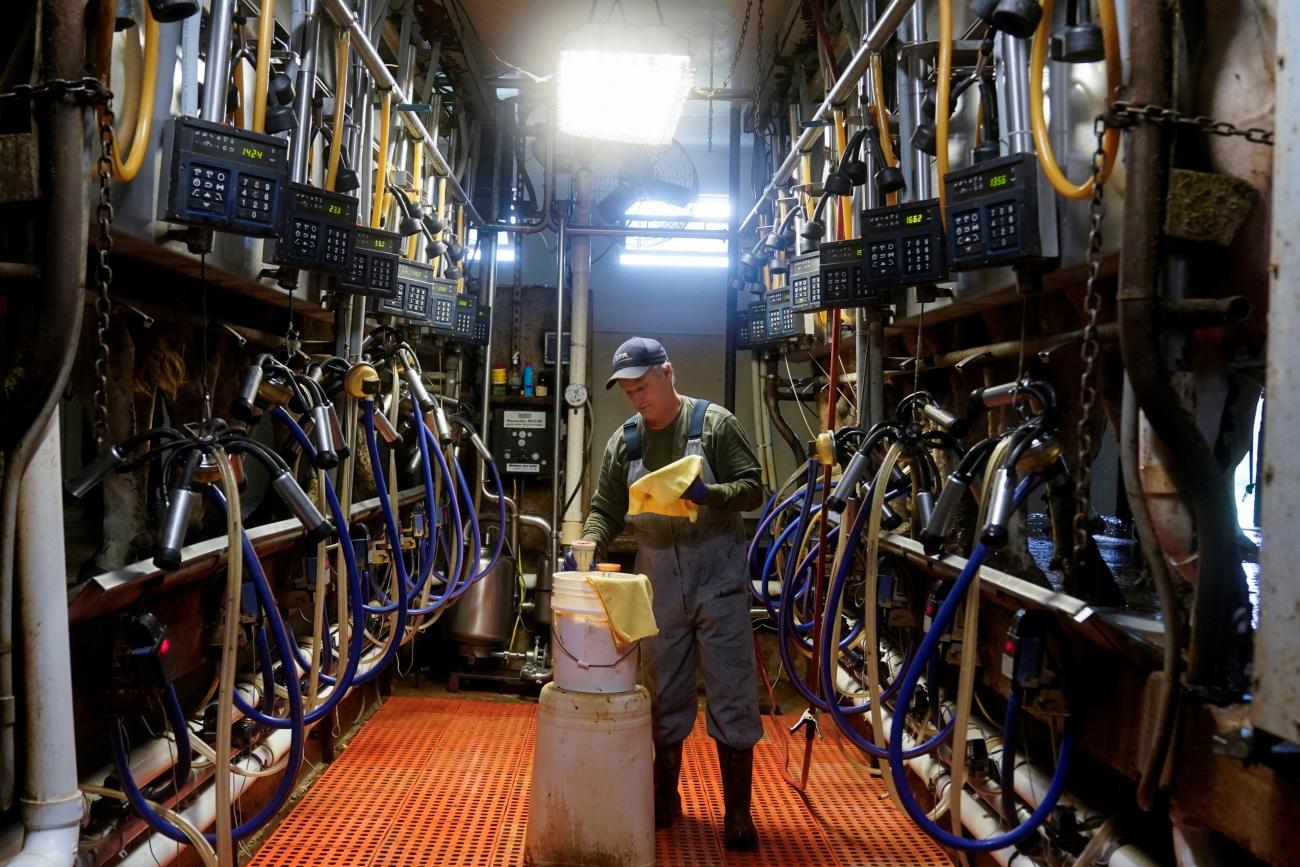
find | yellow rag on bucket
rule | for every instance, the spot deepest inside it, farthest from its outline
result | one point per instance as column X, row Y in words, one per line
column 660, row 492
column 629, row 604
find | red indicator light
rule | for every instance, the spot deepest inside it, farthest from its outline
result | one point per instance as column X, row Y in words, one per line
column 1009, row 647
column 165, row 646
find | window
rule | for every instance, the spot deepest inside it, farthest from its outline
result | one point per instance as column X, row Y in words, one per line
column 707, row 212
column 505, row 247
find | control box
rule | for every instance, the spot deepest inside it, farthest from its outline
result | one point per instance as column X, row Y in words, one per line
column 414, row 298
column 843, row 283
column 373, row 268
column 522, row 441
column 441, row 296
column 548, row 350
column 751, row 326
column 316, row 229
column 993, row 213
column 223, row 177
column 904, row 245
column 780, row 319
column 472, row 321
column 806, row 282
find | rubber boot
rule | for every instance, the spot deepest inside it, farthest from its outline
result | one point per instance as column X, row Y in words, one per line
column 737, row 766
column 668, row 767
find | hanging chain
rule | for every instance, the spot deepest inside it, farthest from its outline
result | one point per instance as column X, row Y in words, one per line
column 1125, row 114
column 1120, row 114
column 86, row 91
column 103, row 271
column 90, row 91
column 1091, row 347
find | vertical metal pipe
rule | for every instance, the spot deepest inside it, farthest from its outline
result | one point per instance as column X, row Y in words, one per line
column 216, row 69
column 190, row 31
column 554, row 549
column 875, row 384
column 911, row 93
column 302, row 133
column 488, row 296
column 733, row 255
column 1015, row 113
column 866, row 345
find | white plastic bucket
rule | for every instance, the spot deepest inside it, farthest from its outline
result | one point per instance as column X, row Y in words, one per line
column 591, row 801
column 586, row 657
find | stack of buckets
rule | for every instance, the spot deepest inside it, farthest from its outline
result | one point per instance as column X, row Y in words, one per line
column 592, row 793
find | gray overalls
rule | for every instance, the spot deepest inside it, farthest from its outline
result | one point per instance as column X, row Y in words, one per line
column 701, row 604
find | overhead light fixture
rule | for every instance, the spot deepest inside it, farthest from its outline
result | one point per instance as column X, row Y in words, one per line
column 624, row 82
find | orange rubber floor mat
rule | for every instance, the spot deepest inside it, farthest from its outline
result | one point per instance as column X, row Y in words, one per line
column 445, row 782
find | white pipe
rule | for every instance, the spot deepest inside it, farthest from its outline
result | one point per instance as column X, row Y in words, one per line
column 579, row 317
column 977, row 817
column 158, row 851
column 156, row 757
column 52, row 804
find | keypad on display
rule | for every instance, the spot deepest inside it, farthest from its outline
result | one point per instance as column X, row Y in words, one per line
column 255, row 198
column 208, row 188
column 966, row 232
column 381, row 272
column 918, row 255
column 1003, row 233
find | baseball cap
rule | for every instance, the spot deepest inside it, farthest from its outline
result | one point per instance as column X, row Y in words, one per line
column 634, row 357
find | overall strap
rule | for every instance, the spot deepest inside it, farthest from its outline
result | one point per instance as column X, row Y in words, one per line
column 632, row 438
column 697, row 420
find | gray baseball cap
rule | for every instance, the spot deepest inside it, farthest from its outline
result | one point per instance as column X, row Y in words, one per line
column 635, row 357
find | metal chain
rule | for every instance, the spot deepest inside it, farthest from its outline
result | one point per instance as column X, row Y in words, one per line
column 1125, row 114
column 103, row 271
column 90, row 91
column 1091, row 347
column 86, row 90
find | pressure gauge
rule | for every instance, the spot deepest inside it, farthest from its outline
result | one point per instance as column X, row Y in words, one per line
column 576, row 394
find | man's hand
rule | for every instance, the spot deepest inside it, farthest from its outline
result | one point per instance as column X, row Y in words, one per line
column 696, row 492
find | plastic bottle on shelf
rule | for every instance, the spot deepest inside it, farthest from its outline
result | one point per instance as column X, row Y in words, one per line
column 514, row 378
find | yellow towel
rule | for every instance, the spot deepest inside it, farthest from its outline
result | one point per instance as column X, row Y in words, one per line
column 628, row 601
column 660, row 492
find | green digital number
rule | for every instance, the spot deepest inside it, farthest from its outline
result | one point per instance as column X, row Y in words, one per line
column 334, row 209
column 998, row 181
column 253, row 153
column 380, row 244
column 914, row 219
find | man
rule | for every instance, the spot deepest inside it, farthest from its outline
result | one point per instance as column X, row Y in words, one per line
column 698, row 571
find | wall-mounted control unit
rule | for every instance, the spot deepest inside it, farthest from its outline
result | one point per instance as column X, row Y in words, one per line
column 522, row 441
column 903, row 245
column 373, row 269
column 842, row 279
column 781, row 320
column 806, row 282
column 751, row 326
column 316, row 229
column 442, row 302
column 993, row 213
column 472, row 321
column 223, row 177
column 413, row 300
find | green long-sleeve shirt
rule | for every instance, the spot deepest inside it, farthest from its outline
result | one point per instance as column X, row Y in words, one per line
column 739, row 485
